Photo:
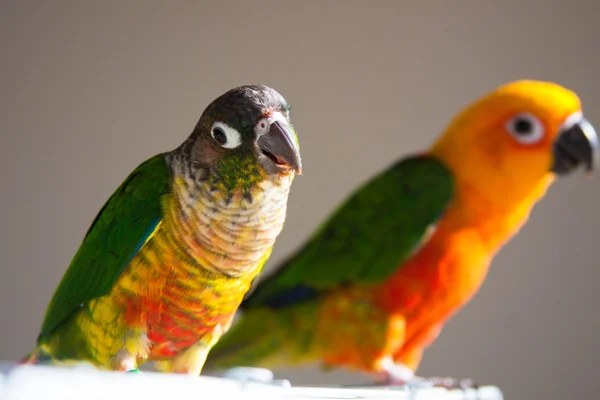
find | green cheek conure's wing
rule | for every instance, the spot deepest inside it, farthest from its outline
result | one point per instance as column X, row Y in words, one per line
column 121, row 227
column 367, row 237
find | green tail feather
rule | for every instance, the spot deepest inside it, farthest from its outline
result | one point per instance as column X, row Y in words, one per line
column 245, row 344
column 267, row 339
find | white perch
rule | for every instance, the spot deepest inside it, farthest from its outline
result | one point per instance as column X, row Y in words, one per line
column 48, row 383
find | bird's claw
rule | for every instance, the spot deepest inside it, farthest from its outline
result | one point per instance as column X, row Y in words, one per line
column 449, row 383
column 419, row 382
column 255, row 375
column 395, row 374
column 453, row 383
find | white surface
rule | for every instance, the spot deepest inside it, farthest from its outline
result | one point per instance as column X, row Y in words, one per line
column 34, row 382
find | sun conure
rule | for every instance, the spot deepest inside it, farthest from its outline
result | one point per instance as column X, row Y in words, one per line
column 376, row 282
column 170, row 256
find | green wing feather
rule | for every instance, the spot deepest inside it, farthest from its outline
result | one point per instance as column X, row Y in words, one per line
column 114, row 237
column 367, row 237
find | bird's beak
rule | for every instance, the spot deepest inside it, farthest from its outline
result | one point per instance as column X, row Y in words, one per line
column 577, row 143
column 279, row 144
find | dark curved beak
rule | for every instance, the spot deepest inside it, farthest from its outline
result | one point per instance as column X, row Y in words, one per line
column 279, row 144
column 576, row 144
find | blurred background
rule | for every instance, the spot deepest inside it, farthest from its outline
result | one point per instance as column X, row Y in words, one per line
column 90, row 89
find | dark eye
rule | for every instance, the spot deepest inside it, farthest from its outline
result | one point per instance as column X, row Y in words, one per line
column 225, row 135
column 525, row 128
column 220, row 136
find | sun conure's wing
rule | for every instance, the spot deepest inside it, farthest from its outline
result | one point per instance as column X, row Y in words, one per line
column 367, row 237
column 119, row 230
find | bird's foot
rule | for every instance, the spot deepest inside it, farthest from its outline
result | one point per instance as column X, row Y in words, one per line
column 453, row 383
column 414, row 382
column 400, row 375
column 255, row 375
column 419, row 382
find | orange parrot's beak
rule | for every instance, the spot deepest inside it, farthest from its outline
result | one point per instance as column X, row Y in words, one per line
column 576, row 144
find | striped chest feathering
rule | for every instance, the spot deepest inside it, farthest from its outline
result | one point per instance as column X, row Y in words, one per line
column 190, row 276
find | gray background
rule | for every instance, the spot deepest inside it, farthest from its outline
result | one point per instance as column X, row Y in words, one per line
column 89, row 89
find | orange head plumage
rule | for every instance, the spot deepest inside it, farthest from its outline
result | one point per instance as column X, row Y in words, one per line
column 510, row 144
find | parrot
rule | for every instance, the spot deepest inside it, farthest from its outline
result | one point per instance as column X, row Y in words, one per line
column 373, row 287
column 169, row 257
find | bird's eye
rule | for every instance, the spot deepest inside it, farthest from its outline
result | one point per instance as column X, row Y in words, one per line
column 262, row 127
column 225, row 135
column 220, row 136
column 525, row 128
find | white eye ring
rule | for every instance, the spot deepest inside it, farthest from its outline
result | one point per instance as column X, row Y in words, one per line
column 264, row 124
column 262, row 127
column 525, row 128
column 225, row 135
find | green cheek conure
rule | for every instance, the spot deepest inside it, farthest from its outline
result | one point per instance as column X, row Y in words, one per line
column 170, row 256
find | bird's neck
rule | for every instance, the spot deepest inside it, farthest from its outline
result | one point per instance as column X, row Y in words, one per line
column 495, row 218
column 228, row 230
column 456, row 257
